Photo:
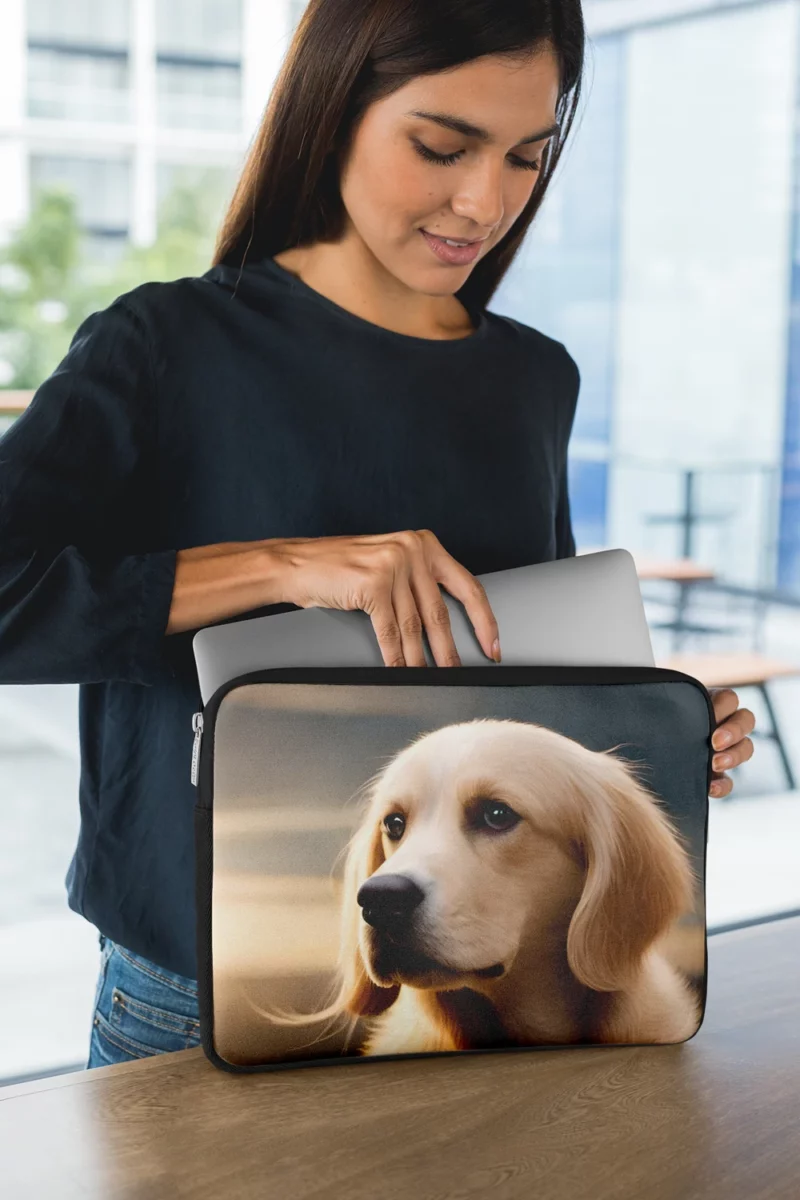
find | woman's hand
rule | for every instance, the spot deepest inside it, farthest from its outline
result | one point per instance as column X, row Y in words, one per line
column 394, row 578
column 729, row 739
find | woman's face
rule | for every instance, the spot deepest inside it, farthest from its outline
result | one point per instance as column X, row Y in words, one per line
column 392, row 191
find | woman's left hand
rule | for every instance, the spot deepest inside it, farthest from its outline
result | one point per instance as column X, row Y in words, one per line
column 729, row 740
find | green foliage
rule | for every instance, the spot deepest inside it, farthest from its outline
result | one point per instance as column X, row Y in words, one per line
column 50, row 280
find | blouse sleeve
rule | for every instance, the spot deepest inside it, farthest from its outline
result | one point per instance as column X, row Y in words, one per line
column 565, row 538
column 82, row 597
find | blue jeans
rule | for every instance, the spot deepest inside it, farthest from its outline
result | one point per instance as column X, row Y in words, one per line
column 140, row 1009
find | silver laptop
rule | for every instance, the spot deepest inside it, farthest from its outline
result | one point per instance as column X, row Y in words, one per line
column 579, row 611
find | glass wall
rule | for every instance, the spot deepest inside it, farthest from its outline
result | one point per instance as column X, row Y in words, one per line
column 666, row 259
column 565, row 283
column 704, row 273
column 789, row 534
column 661, row 258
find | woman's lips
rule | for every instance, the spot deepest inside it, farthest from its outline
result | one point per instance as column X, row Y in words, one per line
column 454, row 255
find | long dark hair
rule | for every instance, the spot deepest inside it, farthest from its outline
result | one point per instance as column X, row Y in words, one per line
column 344, row 56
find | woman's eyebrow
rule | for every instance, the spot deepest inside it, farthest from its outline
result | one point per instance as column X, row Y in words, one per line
column 459, row 125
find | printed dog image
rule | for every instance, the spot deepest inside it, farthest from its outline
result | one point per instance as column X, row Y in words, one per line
column 508, row 886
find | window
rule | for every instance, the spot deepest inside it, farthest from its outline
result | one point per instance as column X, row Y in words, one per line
column 200, row 28
column 296, row 10
column 98, row 22
column 101, row 188
column 69, row 86
column 213, row 185
column 198, row 65
column 196, row 95
column 78, row 68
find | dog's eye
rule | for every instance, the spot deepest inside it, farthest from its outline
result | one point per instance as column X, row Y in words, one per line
column 498, row 816
column 395, row 826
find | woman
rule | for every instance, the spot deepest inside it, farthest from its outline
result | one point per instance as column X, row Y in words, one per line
column 219, row 445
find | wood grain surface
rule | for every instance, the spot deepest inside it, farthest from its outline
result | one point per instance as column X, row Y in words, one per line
column 714, row 1119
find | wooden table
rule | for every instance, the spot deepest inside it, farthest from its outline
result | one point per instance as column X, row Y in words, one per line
column 741, row 669
column 717, row 1118
column 737, row 669
column 12, row 403
column 677, row 570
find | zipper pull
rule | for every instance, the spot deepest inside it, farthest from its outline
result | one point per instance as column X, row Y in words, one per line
column 197, row 726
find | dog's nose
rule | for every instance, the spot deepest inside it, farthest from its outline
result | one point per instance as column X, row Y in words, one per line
column 388, row 901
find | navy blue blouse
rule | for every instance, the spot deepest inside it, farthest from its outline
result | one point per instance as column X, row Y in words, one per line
column 225, row 408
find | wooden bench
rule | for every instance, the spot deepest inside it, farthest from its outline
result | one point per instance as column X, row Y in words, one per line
column 741, row 670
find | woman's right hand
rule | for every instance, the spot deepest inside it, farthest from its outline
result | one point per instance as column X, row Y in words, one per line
column 394, row 578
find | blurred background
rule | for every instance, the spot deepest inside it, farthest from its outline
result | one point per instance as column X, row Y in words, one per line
column 665, row 257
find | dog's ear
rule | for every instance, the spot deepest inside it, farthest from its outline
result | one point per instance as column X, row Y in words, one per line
column 638, row 880
column 360, row 995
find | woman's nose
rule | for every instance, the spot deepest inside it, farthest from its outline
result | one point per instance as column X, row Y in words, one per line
column 482, row 201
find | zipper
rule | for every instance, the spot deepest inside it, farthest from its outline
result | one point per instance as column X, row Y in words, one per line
column 197, row 726
column 469, row 676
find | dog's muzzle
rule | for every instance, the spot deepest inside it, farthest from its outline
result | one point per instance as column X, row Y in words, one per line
column 388, row 903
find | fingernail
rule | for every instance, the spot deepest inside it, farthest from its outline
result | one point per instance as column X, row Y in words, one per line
column 723, row 739
column 496, row 650
column 715, row 789
column 722, row 760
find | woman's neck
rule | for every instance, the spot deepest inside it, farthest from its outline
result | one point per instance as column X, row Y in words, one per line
column 349, row 278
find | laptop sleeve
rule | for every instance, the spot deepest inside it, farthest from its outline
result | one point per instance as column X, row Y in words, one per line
column 418, row 860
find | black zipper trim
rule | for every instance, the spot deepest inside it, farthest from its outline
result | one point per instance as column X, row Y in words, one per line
column 500, row 676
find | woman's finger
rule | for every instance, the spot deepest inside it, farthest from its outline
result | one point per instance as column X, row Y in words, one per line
column 436, row 617
column 741, row 752
column 741, row 723
column 725, row 701
column 384, row 621
column 409, row 621
column 460, row 583
column 721, row 787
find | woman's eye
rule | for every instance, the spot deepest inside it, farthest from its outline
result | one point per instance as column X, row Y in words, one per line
column 447, row 160
column 498, row 816
column 395, row 826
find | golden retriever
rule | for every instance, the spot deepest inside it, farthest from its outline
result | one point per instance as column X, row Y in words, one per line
column 508, row 886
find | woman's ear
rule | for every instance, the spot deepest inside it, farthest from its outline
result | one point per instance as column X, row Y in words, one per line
column 639, row 879
column 360, row 995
